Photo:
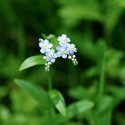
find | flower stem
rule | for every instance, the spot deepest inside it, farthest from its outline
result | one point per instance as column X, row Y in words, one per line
column 49, row 81
column 102, row 80
column 49, row 89
column 100, row 90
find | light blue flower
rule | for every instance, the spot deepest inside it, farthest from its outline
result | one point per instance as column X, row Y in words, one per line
column 71, row 48
column 62, row 51
column 50, row 56
column 63, row 40
column 45, row 46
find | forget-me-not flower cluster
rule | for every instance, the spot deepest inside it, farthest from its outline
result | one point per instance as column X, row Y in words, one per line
column 61, row 47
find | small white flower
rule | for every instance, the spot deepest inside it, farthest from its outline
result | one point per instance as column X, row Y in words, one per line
column 69, row 57
column 74, row 56
column 49, row 63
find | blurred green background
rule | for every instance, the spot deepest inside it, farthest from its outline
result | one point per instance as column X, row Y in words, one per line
column 94, row 26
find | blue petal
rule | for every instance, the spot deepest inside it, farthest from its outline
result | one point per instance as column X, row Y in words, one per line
column 52, row 60
column 71, row 52
column 47, row 58
column 67, row 40
column 64, row 56
column 42, row 51
column 58, row 54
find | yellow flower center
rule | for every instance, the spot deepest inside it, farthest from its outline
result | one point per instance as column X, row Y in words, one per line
column 72, row 48
column 64, row 40
column 51, row 55
column 62, row 50
column 45, row 46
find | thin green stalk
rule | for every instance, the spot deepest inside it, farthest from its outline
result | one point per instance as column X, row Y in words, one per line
column 21, row 40
column 49, row 81
column 49, row 89
column 102, row 81
column 109, row 119
column 100, row 90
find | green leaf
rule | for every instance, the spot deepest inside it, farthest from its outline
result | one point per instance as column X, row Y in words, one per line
column 55, row 42
column 113, row 15
column 120, row 3
column 104, row 111
column 105, row 105
column 44, row 36
column 72, row 14
column 118, row 93
column 37, row 93
column 58, row 101
column 91, row 50
column 32, row 61
column 79, row 107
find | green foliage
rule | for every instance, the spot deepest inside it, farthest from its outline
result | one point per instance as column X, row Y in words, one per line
column 38, row 94
column 58, row 101
column 55, row 42
column 56, row 97
column 72, row 14
column 32, row 61
column 79, row 107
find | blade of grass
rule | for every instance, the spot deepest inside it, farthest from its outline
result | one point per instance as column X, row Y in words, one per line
column 102, row 81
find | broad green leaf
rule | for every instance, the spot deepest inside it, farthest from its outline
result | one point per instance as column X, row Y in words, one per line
column 120, row 3
column 58, row 101
column 104, row 111
column 82, row 93
column 118, row 93
column 73, row 13
column 112, row 15
column 37, row 93
column 32, row 61
column 79, row 107
column 91, row 50
column 105, row 105
column 113, row 62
